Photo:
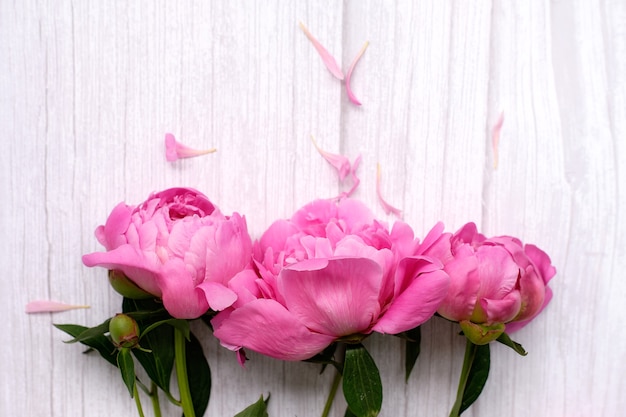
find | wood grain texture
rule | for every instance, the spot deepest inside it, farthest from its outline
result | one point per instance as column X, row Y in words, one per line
column 88, row 89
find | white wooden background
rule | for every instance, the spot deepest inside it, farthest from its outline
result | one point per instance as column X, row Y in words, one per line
column 89, row 88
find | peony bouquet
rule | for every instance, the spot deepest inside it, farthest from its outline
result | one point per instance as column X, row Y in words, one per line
column 311, row 287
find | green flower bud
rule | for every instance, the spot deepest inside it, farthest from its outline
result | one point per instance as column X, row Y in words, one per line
column 481, row 334
column 126, row 287
column 124, row 331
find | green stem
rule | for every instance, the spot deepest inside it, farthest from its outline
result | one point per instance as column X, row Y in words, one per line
column 468, row 360
column 331, row 394
column 154, row 396
column 181, row 374
column 137, row 400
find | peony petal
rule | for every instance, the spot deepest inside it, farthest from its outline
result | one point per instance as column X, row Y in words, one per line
column 338, row 297
column 500, row 310
column 497, row 270
column 495, row 138
column 111, row 235
column 355, row 180
column 416, row 304
column 267, row 327
column 175, row 150
column 464, row 285
column 388, row 208
column 217, row 295
column 327, row 58
column 542, row 262
column 181, row 298
column 516, row 325
column 351, row 96
column 340, row 162
column 46, row 306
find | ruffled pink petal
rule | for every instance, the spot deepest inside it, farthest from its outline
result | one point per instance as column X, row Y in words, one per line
column 175, row 150
column 338, row 297
column 416, row 304
column 111, row 234
column 47, row 306
column 516, row 325
column 327, row 58
column 495, row 138
column 388, row 208
column 217, row 295
column 351, row 95
column 181, row 298
column 502, row 310
column 498, row 272
column 532, row 290
column 355, row 179
column 542, row 262
column 464, row 286
column 267, row 327
column 141, row 268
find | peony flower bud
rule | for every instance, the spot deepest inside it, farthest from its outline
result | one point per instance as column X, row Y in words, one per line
column 124, row 286
column 481, row 334
column 124, row 331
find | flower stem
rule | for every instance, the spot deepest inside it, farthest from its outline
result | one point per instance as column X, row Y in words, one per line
column 331, row 394
column 468, row 360
column 181, row 374
column 154, row 397
column 137, row 401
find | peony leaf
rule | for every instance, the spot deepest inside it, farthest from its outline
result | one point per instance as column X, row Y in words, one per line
column 351, row 96
column 506, row 340
column 327, row 58
column 477, row 377
column 127, row 368
column 412, row 350
column 91, row 332
column 199, row 375
column 258, row 409
column 362, row 386
column 100, row 342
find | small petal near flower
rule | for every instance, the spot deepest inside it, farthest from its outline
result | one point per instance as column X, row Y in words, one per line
column 327, row 58
column 351, row 95
column 175, row 150
column 46, row 306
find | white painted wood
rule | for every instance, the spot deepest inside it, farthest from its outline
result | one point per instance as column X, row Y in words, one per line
column 88, row 90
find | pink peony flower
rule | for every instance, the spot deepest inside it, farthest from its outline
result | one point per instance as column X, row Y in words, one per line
column 493, row 281
column 332, row 272
column 178, row 246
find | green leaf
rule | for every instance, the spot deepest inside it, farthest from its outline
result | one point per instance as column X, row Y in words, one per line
column 349, row 413
column 198, row 374
column 127, row 368
column 477, row 376
column 90, row 332
column 412, row 351
column 506, row 340
column 258, row 409
column 362, row 386
column 100, row 343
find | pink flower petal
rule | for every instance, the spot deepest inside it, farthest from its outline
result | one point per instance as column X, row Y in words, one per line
column 355, row 180
column 351, row 96
column 175, row 150
column 267, row 327
column 337, row 297
column 46, row 306
column 388, row 208
column 340, row 162
column 495, row 138
column 327, row 58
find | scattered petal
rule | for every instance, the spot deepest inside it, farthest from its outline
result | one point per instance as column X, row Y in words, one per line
column 388, row 208
column 175, row 150
column 495, row 138
column 328, row 59
column 340, row 162
column 355, row 180
column 351, row 96
column 45, row 306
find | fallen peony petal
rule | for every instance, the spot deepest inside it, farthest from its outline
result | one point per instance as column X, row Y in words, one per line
column 351, row 96
column 340, row 162
column 328, row 59
column 388, row 208
column 46, row 306
column 495, row 138
column 175, row 150
column 355, row 180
